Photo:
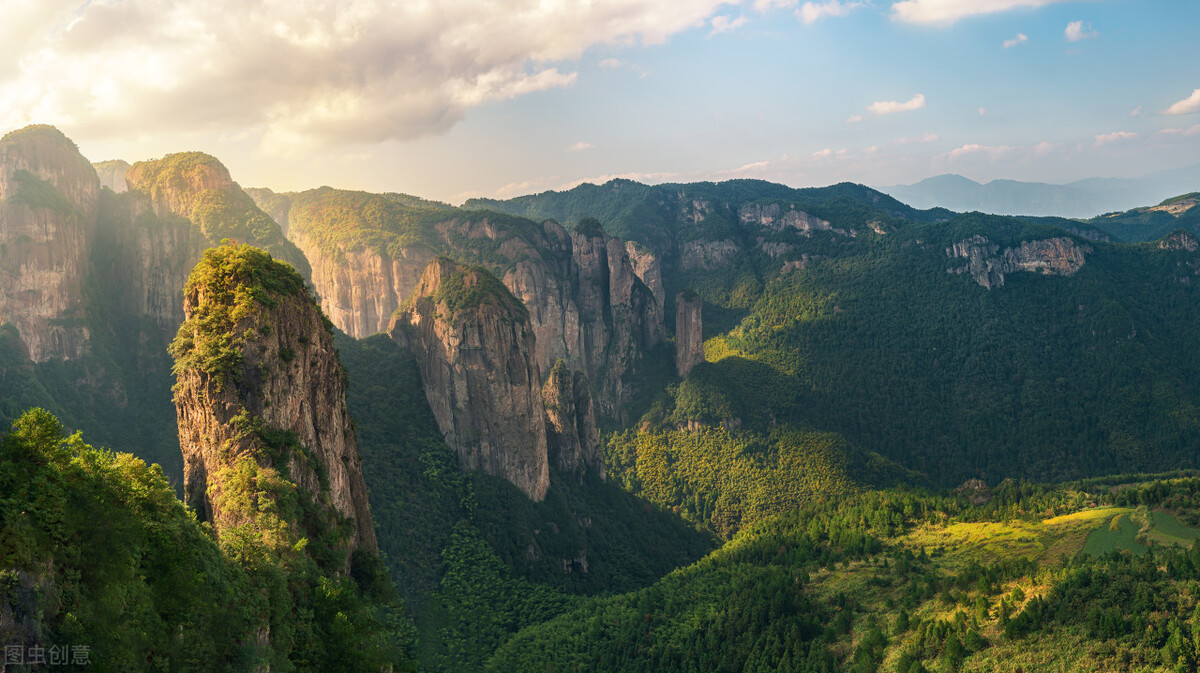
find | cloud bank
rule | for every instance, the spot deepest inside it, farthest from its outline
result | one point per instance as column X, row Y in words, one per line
column 319, row 72
column 949, row 11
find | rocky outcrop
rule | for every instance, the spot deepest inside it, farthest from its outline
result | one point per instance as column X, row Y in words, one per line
column 474, row 348
column 689, row 339
column 112, row 174
column 260, row 397
column 573, row 440
column 647, row 267
column 775, row 218
column 48, row 206
column 1180, row 240
column 704, row 255
column 988, row 265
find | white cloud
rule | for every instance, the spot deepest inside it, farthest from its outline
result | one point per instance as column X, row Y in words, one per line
column 811, row 12
column 982, row 111
column 1107, row 138
column 992, row 151
column 723, row 24
column 1186, row 106
column 1190, row 131
column 854, row 119
column 1136, row 112
column 823, row 154
column 998, row 152
column 580, row 146
column 318, row 72
column 1076, row 32
column 887, row 107
column 912, row 140
column 611, row 63
column 1021, row 38
column 1043, row 148
column 946, row 12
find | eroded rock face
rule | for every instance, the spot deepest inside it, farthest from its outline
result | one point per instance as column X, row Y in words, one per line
column 48, row 208
column 361, row 288
column 573, row 440
column 648, row 268
column 988, row 265
column 1180, row 240
column 148, row 256
column 274, row 401
column 587, row 302
column 689, row 339
column 705, row 255
column 774, row 217
column 112, row 174
column 474, row 348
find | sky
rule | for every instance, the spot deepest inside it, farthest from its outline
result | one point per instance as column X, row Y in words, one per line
column 450, row 99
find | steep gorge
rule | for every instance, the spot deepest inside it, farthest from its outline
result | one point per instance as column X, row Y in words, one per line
column 589, row 296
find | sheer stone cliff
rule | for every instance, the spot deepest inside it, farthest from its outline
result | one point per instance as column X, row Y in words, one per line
column 260, row 396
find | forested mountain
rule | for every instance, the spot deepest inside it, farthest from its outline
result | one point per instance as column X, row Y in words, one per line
column 1152, row 222
column 829, row 469
column 957, row 345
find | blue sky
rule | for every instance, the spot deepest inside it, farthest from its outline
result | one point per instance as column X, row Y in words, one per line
column 465, row 97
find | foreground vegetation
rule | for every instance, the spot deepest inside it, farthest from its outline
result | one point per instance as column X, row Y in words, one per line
column 97, row 551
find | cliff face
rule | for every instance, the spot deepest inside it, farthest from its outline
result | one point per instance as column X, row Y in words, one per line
column 574, row 442
column 361, row 288
column 587, row 303
column 147, row 256
column 619, row 317
column 689, row 339
column 474, row 348
column 649, row 269
column 48, row 206
column 112, row 174
column 260, row 397
column 988, row 265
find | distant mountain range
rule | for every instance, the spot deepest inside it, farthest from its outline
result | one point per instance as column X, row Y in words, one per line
column 1081, row 199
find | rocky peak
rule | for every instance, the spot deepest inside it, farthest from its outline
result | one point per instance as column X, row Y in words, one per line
column 574, row 442
column 174, row 182
column 48, row 206
column 475, row 350
column 689, row 339
column 197, row 188
column 268, row 444
column 1179, row 240
column 989, row 265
